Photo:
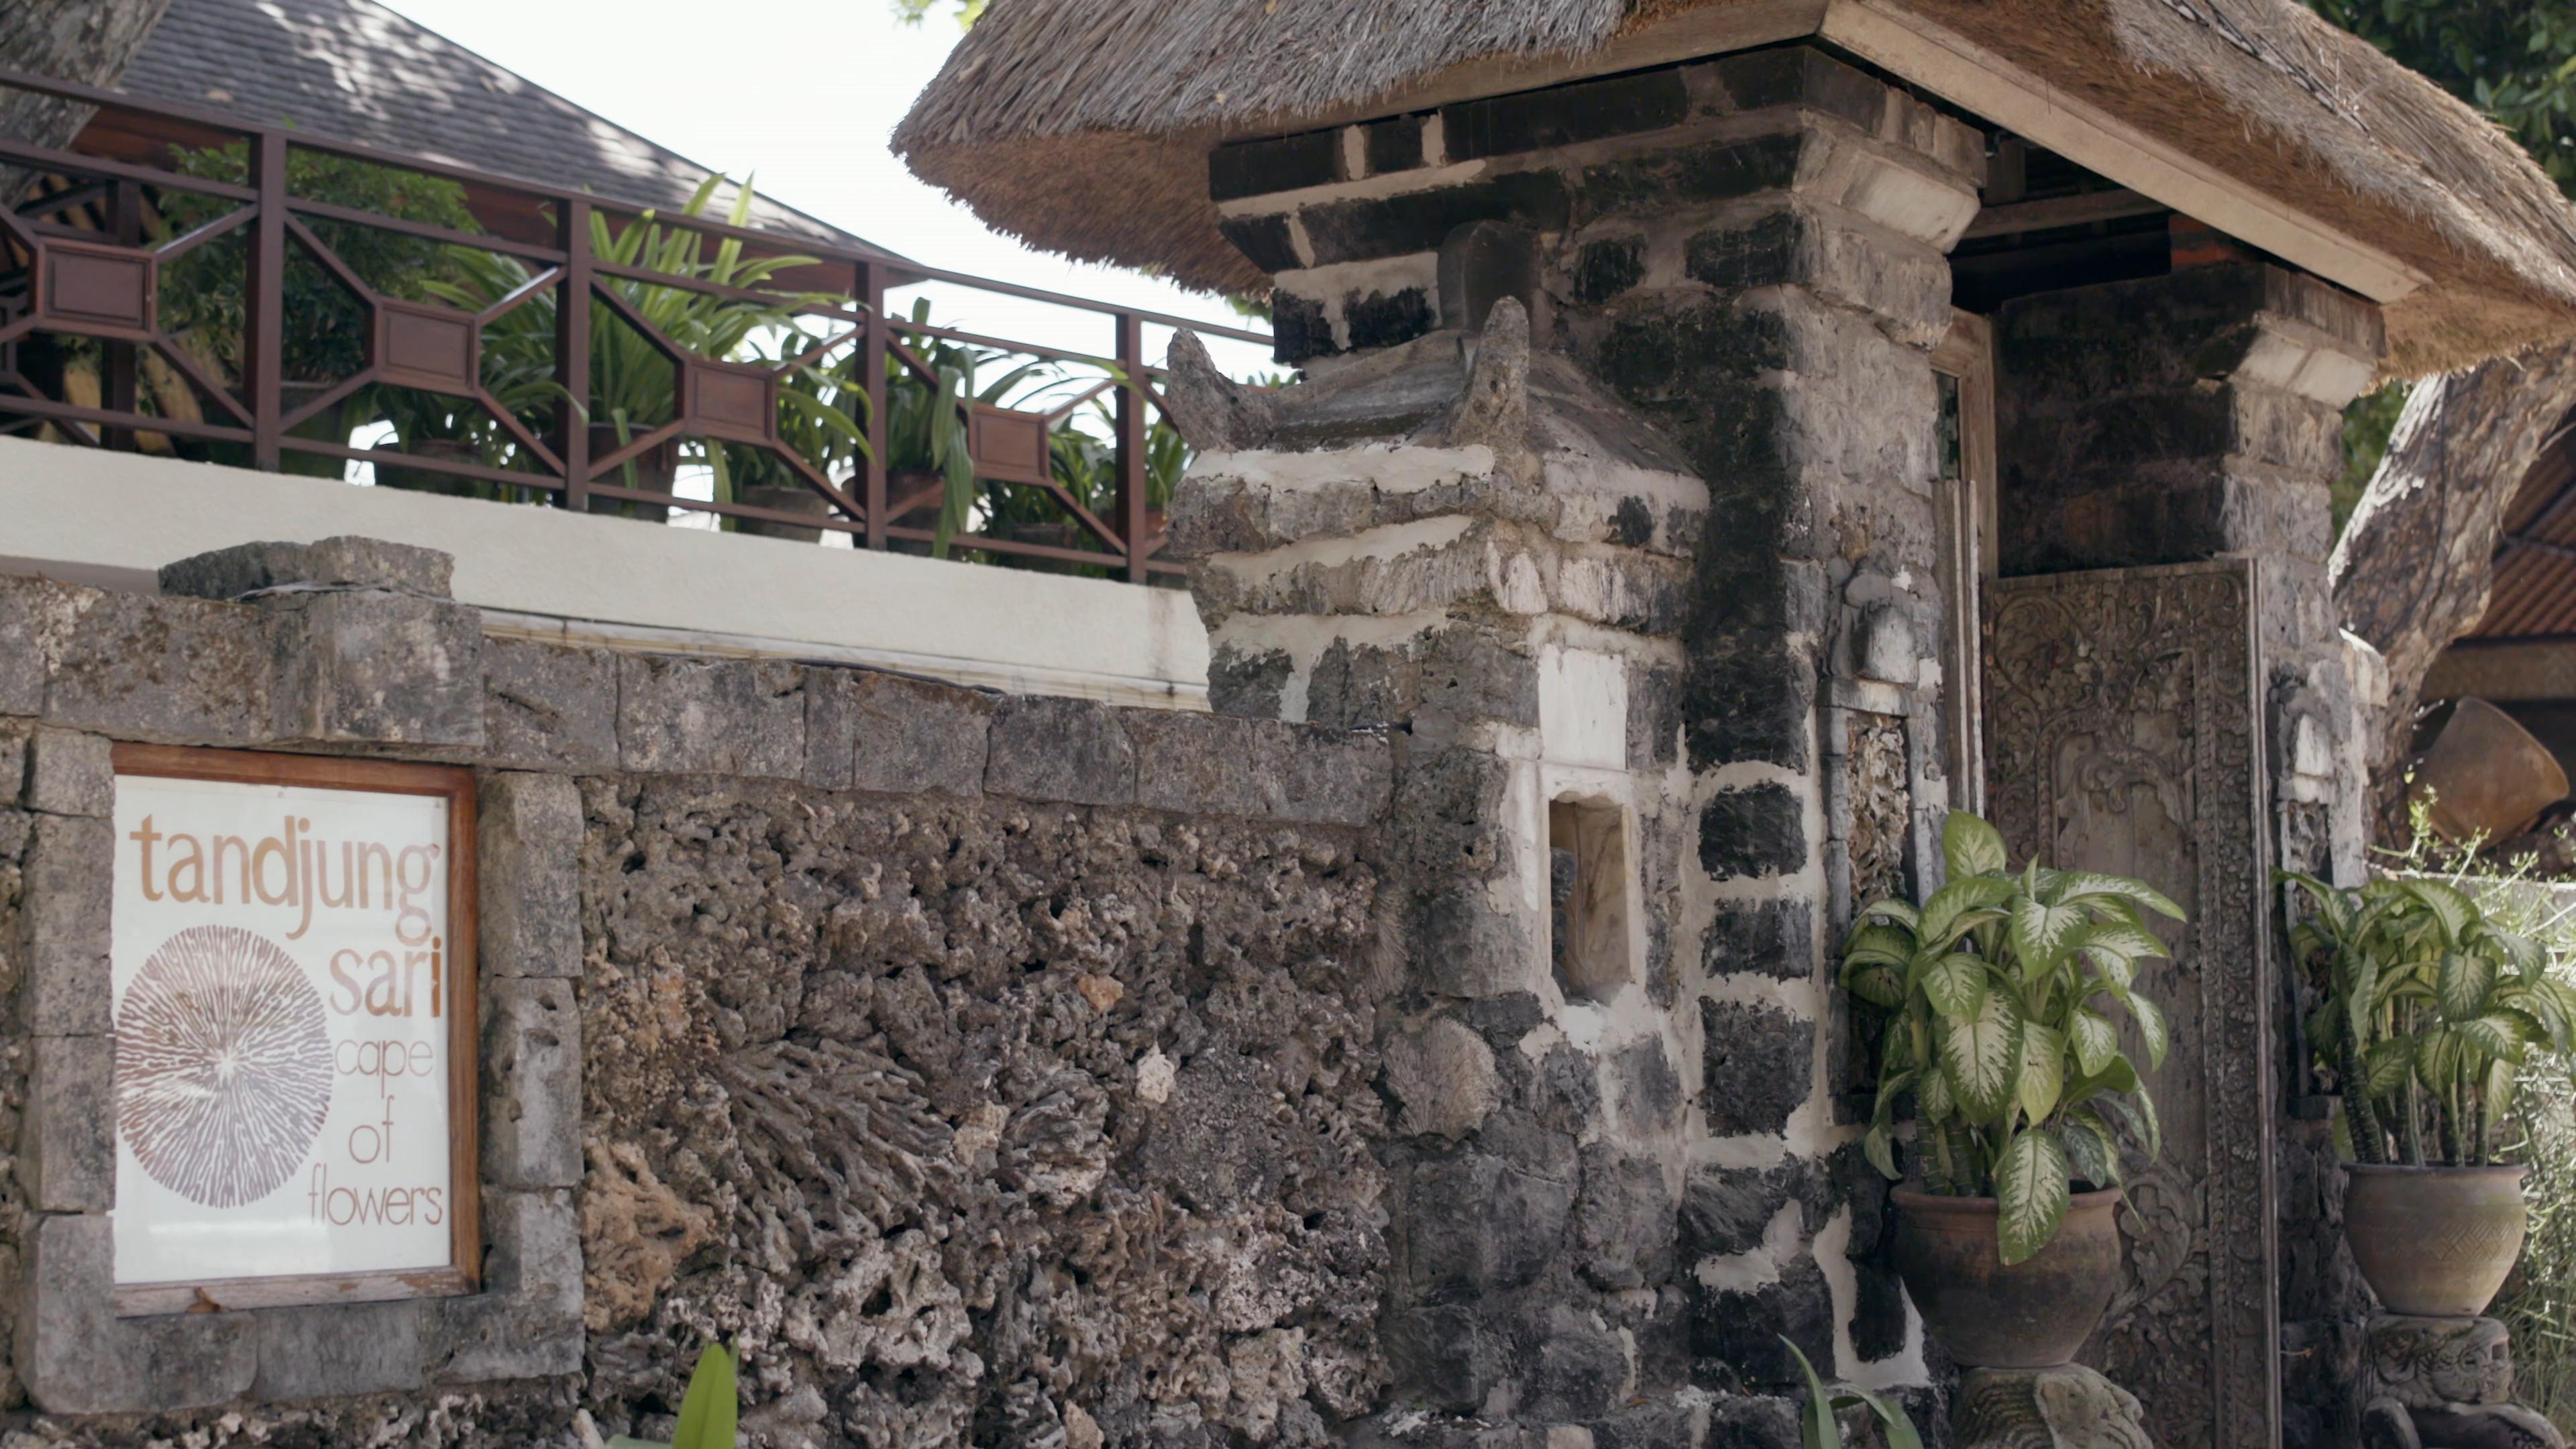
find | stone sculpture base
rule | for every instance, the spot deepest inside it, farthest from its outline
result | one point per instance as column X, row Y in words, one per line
column 2066, row 1407
column 2444, row 1383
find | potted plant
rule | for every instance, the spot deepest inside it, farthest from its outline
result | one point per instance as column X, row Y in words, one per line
column 2427, row 1010
column 2005, row 992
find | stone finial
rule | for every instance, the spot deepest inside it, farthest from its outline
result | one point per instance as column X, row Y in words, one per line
column 1495, row 409
column 2066, row 1407
column 1213, row 412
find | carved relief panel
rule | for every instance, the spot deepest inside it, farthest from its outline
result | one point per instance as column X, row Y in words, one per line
column 2123, row 733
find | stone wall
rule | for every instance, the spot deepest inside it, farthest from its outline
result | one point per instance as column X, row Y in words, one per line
column 991, row 1069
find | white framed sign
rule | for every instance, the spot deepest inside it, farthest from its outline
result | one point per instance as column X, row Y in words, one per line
column 292, row 961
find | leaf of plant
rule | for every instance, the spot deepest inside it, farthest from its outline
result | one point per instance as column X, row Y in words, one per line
column 2498, row 1035
column 1899, row 1429
column 1981, row 1056
column 1878, row 985
column 1882, row 945
column 2094, row 1039
column 2031, row 1193
column 1895, row 912
column 1933, row 1104
column 1816, row 1426
column 2042, row 934
column 2145, row 1106
column 2385, row 1066
column 2043, row 1070
column 1878, row 1146
column 708, row 1411
column 2462, row 986
column 2077, row 883
column 2151, row 1026
column 2089, row 1152
column 2452, row 911
column 1956, row 984
column 1969, row 846
column 1942, row 915
column 2124, row 938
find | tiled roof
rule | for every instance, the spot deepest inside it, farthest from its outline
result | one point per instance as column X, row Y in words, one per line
column 2534, row 594
column 356, row 71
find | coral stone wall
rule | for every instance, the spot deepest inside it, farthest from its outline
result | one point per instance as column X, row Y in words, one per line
column 978, row 1121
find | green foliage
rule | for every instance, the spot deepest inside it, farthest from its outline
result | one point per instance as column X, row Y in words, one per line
column 2367, row 424
column 2515, row 60
column 708, row 1411
column 203, row 293
column 2000, row 989
column 910, row 12
column 2429, row 1013
column 1818, row 1426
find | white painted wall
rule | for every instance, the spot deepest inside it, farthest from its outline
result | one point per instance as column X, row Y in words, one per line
column 112, row 519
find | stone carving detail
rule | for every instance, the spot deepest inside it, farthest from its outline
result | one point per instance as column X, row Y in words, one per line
column 2123, row 735
column 2444, row 1383
column 2067, row 1407
column 1882, row 807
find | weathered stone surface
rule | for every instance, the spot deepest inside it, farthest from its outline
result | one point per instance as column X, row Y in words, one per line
column 1758, row 1066
column 1213, row 764
column 68, row 1158
column 372, row 667
column 1072, row 750
column 1764, row 938
column 1564, row 115
column 37, row 618
column 711, row 716
column 1725, row 1210
column 1624, row 1223
column 2070, row 1404
column 75, row 1357
column 1285, row 163
column 1902, row 282
column 528, row 837
column 346, row 562
column 910, row 734
column 1443, row 1075
column 1760, row 830
column 1502, row 1224
column 531, row 1084
column 338, row 1350
column 1415, row 221
column 1742, row 1329
column 527, row 1321
column 70, row 774
column 1249, row 683
column 1212, row 411
column 549, row 707
column 69, row 860
column 171, row 670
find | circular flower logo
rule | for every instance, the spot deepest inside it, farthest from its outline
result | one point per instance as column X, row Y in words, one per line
column 223, row 1066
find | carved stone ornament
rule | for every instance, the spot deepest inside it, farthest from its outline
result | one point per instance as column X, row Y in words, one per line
column 2124, row 734
column 2067, row 1407
column 2444, row 1383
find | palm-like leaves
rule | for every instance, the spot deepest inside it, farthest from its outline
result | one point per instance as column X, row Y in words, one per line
column 2007, row 991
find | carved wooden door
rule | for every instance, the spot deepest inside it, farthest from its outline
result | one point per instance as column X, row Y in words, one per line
column 2123, row 733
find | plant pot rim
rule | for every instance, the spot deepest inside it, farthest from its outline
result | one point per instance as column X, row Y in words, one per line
column 2431, row 1169
column 1916, row 1200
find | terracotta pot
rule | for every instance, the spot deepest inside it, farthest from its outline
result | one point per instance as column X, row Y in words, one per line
column 2434, row 1242
column 2034, row 1314
column 2485, row 772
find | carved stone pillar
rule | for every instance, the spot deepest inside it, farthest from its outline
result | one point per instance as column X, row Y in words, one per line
column 2443, row 1383
column 2066, row 1407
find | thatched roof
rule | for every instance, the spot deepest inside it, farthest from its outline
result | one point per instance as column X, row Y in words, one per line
column 1084, row 125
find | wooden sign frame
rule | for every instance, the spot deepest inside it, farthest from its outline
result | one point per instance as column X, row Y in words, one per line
column 463, row 1273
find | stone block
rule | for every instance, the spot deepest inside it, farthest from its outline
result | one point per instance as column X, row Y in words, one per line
column 345, row 562
column 372, row 667
column 531, row 1084
column 1215, row 765
column 1394, row 144
column 1606, row 268
column 15, row 739
column 1251, row 683
column 1281, row 163
column 171, row 670
column 65, row 1351
column 548, row 707
column 911, row 735
column 68, row 1159
column 1376, row 318
column 526, row 1323
column 1654, row 716
column 1726, row 1210
column 1580, row 1369
column 1902, row 282
column 1564, row 115
column 1670, row 177
column 1761, row 938
column 1073, row 750
column 67, row 988
column 189, row 1360
column 1743, row 1328
column 1478, row 1224
column 338, row 1350
column 711, row 716
column 1365, row 228
column 1444, row 1357
column 528, row 835
column 1760, row 830
column 1623, row 1227
column 37, row 620
column 1754, row 1421
column 1265, row 241
column 1443, row 1076
column 67, row 882
column 1757, row 1066
column 69, row 773
column 1464, row 945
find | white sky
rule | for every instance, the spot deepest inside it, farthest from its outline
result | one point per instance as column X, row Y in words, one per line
column 805, row 93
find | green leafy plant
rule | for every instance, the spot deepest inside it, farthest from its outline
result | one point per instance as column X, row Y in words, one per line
column 1818, row 1426
column 2428, row 1013
column 709, row 1410
column 2001, row 989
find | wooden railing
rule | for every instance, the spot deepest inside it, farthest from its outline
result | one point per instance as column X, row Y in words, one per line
column 194, row 285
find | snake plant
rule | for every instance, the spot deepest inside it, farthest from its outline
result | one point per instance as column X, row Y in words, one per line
column 2005, row 991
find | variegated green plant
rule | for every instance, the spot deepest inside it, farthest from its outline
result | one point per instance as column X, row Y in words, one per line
column 2428, row 1010
column 2006, row 992
column 710, row 1409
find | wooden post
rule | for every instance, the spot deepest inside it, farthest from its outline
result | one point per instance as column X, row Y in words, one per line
column 116, row 370
column 264, row 342
column 1131, row 429
column 872, row 380
column 572, row 354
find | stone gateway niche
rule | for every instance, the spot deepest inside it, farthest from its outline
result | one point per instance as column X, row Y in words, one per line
column 2123, row 735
